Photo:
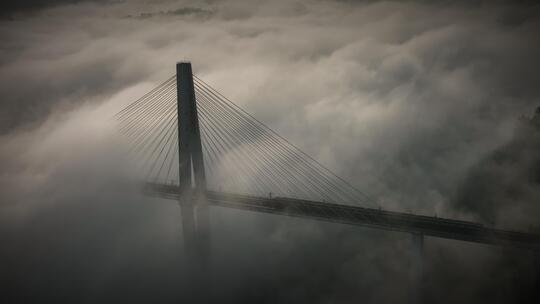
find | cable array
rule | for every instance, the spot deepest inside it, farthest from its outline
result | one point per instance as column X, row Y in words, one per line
column 241, row 154
column 150, row 126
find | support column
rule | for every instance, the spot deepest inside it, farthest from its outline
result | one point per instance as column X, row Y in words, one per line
column 417, row 269
column 535, row 297
column 195, row 218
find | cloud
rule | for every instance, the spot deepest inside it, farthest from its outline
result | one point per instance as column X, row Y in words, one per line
column 414, row 102
column 504, row 187
column 11, row 8
column 183, row 11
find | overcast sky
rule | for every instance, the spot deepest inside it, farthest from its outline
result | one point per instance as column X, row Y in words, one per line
column 418, row 103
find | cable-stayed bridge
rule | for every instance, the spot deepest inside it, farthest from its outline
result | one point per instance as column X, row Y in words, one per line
column 199, row 148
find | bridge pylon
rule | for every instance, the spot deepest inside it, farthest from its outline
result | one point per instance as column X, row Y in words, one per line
column 194, row 208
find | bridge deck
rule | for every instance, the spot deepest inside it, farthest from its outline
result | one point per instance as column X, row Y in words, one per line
column 369, row 217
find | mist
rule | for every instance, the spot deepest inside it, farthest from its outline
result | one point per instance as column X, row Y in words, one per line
column 426, row 106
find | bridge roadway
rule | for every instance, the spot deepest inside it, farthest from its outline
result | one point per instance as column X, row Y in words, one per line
column 360, row 216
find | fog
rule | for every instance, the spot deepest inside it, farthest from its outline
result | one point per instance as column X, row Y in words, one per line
column 417, row 103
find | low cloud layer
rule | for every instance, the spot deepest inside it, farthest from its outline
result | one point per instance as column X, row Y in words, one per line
column 417, row 103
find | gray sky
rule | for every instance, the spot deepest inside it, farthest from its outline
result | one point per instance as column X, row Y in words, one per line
column 417, row 103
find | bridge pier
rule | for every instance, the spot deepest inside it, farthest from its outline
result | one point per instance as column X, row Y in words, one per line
column 202, row 224
column 536, row 264
column 195, row 228
column 416, row 278
column 187, row 212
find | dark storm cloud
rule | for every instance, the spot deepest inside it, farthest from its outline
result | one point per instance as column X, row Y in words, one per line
column 10, row 7
column 409, row 100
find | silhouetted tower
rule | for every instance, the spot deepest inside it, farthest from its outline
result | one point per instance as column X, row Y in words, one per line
column 536, row 117
column 194, row 208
